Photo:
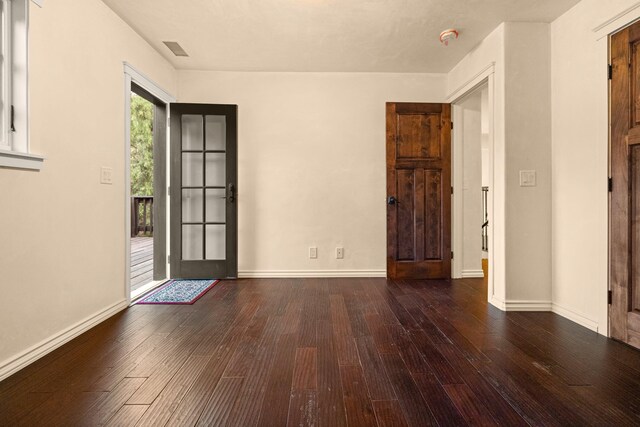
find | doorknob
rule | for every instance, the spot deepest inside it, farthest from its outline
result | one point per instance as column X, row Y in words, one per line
column 232, row 195
column 392, row 200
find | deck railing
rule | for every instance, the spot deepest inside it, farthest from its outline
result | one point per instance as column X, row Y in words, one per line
column 141, row 215
column 485, row 220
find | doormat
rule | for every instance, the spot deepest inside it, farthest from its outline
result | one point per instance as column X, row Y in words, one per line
column 179, row 292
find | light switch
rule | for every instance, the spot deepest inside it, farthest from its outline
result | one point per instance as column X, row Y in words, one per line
column 527, row 178
column 106, row 175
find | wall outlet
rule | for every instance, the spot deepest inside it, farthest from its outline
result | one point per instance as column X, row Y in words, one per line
column 339, row 253
column 313, row 253
column 106, row 175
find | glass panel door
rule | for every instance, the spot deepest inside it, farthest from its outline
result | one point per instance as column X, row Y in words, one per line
column 205, row 148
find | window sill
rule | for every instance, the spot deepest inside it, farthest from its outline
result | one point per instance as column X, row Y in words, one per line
column 15, row 160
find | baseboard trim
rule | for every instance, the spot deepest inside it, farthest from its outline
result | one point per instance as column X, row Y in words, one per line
column 575, row 317
column 527, row 305
column 498, row 303
column 30, row 355
column 520, row 305
column 278, row 274
column 470, row 274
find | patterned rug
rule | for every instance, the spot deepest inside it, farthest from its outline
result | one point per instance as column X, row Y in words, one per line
column 178, row 292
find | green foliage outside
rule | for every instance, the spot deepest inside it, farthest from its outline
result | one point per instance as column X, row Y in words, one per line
column 141, row 146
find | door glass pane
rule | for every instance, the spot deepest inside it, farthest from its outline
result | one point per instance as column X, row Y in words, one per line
column 192, row 138
column 191, row 170
column 191, row 242
column 191, row 205
column 216, row 132
column 216, row 242
column 216, row 170
column 216, row 205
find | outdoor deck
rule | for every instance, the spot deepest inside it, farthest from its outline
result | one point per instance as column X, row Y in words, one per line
column 141, row 261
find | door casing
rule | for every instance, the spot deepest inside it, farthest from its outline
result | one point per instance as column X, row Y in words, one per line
column 134, row 76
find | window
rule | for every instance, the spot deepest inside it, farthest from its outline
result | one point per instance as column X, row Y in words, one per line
column 14, row 128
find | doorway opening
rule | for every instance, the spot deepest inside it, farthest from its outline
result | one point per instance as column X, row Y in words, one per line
column 142, row 194
column 146, row 170
column 472, row 182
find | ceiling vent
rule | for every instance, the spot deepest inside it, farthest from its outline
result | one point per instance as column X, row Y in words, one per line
column 176, row 48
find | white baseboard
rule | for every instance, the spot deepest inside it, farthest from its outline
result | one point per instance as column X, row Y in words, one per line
column 497, row 302
column 575, row 317
column 14, row 364
column 527, row 305
column 468, row 274
column 277, row 274
column 520, row 305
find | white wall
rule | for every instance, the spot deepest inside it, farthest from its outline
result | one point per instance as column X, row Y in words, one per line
column 520, row 264
column 471, row 186
column 485, row 116
column 62, row 233
column 528, row 147
column 311, row 164
column 580, row 165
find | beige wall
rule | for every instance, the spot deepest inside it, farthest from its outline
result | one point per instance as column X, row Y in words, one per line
column 311, row 164
column 62, row 233
column 528, row 147
column 471, row 186
column 520, row 233
column 580, row 165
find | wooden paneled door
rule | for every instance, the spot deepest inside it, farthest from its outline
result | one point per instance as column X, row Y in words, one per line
column 624, row 281
column 418, row 191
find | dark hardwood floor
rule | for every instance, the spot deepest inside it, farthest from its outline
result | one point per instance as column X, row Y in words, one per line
column 330, row 352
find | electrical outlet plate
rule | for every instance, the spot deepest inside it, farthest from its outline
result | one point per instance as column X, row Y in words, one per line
column 106, row 175
column 313, row 253
column 339, row 253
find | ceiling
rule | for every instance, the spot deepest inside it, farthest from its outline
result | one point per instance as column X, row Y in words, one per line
column 324, row 35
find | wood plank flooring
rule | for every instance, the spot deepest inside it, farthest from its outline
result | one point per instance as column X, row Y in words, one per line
column 330, row 352
column 141, row 261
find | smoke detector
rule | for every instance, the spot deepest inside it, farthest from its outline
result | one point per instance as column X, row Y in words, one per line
column 446, row 35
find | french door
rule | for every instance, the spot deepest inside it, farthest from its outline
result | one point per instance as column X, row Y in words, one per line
column 204, row 225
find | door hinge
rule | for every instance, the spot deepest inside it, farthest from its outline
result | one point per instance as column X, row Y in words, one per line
column 451, row 254
column 610, row 184
column 451, row 190
column 609, row 297
column 610, row 72
column 169, row 191
column 451, row 125
column 168, row 259
column 168, row 121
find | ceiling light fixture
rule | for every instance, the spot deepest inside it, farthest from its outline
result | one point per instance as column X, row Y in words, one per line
column 446, row 35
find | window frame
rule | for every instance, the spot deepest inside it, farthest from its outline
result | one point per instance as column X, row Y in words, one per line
column 14, row 118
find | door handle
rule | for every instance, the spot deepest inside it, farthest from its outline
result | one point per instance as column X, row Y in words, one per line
column 232, row 193
column 392, row 200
